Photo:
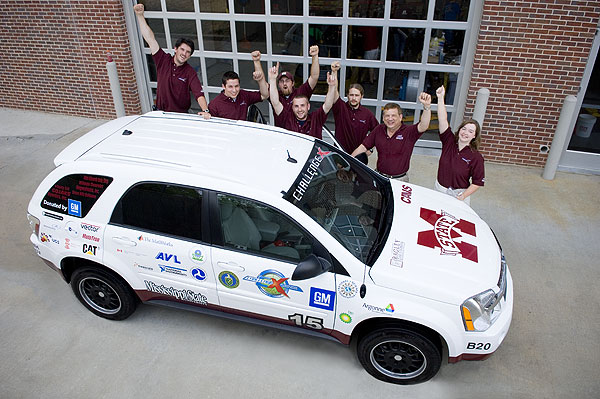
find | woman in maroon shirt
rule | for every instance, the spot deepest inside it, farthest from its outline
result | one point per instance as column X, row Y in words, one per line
column 460, row 171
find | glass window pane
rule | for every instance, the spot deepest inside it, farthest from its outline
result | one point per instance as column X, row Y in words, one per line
column 151, row 68
column 287, row 38
column 215, row 68
column 364, row 42
column 216, row 36
column 327, row 37
column 322, row 86
column 180, row 5
column 249, row 7
column 246, row 70
column 405, row 44
column 286, row 7
column 433, row 80
column 366, row 8
column 152, row 5
column 409, row 9
column 451, row 10
column 213, row 6
column 401, row 85
column 433, row 132
column 183, row 28
column 158, row 28
column 325, row 8
column 251, row 36
column 445, row 46
column 362, row 75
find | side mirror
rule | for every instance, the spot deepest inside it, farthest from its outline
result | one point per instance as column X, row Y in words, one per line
column 311, row 267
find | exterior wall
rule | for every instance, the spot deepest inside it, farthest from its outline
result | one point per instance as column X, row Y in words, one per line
column 53, row 57
column 530, row 55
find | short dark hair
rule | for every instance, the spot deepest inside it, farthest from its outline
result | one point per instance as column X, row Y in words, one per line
column 389, row 106
column 185, row 40
column 229, row 75
column 301, row 96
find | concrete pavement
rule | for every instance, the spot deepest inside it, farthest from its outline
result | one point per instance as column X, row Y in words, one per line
column 53, row 347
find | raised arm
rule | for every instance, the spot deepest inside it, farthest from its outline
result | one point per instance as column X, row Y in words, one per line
column 145, row 29
column 274, row 95
column 259, row 76
column 335, row 66
column 425, row 99
column 441, row 111
column 331, row 91
column 314, row 68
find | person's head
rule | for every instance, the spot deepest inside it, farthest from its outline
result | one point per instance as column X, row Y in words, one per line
column 183, row 50
column 300, row 107
column 469, row 133
column 231, row 84
column 355, row 95
column 392, row 116
column 285, row 83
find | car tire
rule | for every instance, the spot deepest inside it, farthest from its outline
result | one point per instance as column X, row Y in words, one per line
column 399, row 356
column 103, row 293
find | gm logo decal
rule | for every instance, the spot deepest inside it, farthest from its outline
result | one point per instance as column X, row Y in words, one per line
column 322, row 299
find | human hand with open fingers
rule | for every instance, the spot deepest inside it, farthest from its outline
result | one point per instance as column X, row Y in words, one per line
column 255, row 55
column 425, row 99
column 335, row 66
column 313, row 51
column 138, row 9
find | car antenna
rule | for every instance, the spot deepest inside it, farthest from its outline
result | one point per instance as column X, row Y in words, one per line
column 290, row 159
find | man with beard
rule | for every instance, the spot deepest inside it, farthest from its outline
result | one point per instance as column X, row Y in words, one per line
column 353, row 122
column 296, row 118
column 285, row 83
column 174, row 76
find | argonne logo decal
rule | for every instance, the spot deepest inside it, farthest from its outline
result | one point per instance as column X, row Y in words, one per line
column 445, row 230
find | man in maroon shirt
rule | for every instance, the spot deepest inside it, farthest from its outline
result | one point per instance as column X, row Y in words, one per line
column 352, row 121
column 233, row 102
column 296, row 118
column 175, row 77
column 287, row 91
column 395, row 141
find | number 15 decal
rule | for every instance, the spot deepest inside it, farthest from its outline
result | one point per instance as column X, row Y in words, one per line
column 310, row 322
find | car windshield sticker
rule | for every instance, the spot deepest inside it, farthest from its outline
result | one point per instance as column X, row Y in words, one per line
column 446, row 234
column 75, row 194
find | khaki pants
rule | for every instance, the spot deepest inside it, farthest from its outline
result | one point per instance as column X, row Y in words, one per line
column 452, row 192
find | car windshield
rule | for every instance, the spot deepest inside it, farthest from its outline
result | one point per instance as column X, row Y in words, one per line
column 349, row 200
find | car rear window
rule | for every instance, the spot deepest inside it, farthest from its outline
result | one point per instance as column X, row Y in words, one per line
column 75, row 194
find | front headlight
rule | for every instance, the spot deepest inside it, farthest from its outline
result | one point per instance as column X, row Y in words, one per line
column 480, row 311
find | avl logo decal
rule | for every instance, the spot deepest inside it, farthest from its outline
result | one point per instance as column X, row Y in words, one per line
column 446, row 230
column 167, row 257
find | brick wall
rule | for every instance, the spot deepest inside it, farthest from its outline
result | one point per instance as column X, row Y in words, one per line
column 53, row 57
column 530, row 55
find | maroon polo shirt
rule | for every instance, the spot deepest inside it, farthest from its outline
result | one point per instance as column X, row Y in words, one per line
column 313, row 126
column 174, row 84
column 225, row 107
column 352, row 125
column 286, row 101
column 456, row 168
column 393, row 152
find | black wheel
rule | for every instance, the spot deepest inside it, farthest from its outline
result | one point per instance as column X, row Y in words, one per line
column 399, row 356
column 103, row 293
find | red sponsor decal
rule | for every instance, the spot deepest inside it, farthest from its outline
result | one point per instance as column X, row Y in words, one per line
column 446, row 230
column 406, row 194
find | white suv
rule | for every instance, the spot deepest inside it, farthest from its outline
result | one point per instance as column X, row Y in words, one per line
column 255, row 222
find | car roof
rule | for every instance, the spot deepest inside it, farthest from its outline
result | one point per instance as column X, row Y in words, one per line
column 237, row 151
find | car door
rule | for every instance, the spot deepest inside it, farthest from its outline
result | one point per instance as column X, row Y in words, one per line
column 254, row 260
column 156, row 230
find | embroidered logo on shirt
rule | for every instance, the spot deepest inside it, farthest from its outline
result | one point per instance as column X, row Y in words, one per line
column 182, row 79
column 362, row 121
column 399, row 137
column 466, row 160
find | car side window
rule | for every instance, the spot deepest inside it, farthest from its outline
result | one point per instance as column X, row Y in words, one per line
column 163, row 208
column 75, row 195
column 254, row 227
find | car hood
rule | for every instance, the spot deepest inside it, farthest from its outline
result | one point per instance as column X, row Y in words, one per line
column 437, row 247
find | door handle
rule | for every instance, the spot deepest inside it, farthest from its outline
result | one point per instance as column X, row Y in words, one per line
column 124, row 241
column 231, row 266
